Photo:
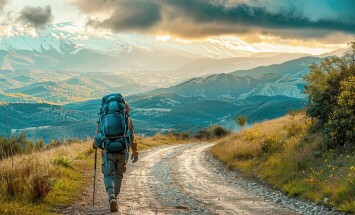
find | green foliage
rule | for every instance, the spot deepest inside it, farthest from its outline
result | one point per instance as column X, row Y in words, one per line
column 20, row 144
column 270, row 144
column 331, row 91
column 241, row 120
column 219, row 131
column 295, row 188
column 44, row 180
column 212, row 132
column 17, row 145
column 297, row 163
column 61, row 161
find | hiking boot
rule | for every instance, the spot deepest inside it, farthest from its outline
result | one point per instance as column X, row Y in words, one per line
column 113, row 204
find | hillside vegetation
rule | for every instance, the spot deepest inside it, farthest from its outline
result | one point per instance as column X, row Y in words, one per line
column 308, row 154
column 286, row 155
column 42, row 179
column 37, row 183
column 261, row 93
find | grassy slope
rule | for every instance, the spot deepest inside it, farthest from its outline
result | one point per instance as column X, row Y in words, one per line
column 283, row 153
column 64, row 169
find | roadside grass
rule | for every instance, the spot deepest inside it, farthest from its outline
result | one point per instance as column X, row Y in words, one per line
column 41, row 182
column 284, row 153
column 160, row 140
column 46, row 181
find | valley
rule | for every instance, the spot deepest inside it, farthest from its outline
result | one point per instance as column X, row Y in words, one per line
column 56, row 83
column 67, row 106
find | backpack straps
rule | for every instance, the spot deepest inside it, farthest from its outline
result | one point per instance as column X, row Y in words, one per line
column 103, row 139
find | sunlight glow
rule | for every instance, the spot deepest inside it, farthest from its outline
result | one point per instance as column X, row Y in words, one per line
column 163, row 38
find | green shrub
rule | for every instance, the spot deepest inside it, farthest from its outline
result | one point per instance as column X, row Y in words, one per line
column 331, row 91
column 212, row 132
column 203, row 134
column 241, row 120
column 61, row 161
column 185, row 135
column 220, row 131
column 270, row 144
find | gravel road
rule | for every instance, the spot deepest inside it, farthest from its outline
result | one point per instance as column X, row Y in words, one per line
column 185, row 179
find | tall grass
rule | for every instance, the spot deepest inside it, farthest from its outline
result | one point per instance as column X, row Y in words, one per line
column 39, row 182
column 52, row 177
column 287, row 155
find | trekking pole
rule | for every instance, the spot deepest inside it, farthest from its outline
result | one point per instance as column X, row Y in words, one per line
column 93, row 197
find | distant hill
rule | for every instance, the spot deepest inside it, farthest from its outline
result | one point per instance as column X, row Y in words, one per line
column 260, row 93
column 143, row 59
column 45, row 121
column 207, row 66
column 280, row 79
column 62, row 87
column 294, row 68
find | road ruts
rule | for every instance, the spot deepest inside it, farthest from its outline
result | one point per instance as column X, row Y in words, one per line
column 196, row 177
column 177, row 179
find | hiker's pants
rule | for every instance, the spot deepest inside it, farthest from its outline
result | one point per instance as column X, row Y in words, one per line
column 113, row 172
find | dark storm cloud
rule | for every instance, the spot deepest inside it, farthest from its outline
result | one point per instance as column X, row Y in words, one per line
column 38, row 17
column 131, row 15
column 199, row 18
column 2, row 4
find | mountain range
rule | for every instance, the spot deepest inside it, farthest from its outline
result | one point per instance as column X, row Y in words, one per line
column 51, row 85
column 62, row 87
column 261, row 93
column 145, row 60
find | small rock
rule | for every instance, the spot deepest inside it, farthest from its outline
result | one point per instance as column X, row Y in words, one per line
column 325, row 200
column 277, row 200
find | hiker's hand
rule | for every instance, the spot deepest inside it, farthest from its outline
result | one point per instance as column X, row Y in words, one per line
column 134, row 158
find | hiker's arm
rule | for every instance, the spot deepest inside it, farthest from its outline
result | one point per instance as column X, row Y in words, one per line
column 131, row 128
column 134, row 142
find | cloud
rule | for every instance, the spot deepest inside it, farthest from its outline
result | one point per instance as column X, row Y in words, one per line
column 131, row 15
column 203, row 18
column 37, row 17
column 2, row 4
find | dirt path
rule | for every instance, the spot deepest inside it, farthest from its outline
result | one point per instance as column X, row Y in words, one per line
column 179, row 180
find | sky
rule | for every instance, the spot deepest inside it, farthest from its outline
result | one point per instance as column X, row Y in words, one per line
column 313, row 27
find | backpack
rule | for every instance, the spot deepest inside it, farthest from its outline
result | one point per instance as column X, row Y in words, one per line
column 113, row 134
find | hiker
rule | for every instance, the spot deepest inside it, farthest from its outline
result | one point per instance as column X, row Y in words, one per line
column 115, row 135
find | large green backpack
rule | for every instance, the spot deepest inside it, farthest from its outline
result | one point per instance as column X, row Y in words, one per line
column 113, row 134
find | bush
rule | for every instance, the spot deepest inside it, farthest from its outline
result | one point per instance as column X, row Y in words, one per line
column 61, row 161
column 203, row 134
column 40, row 187
column 179, row 136
column 212, row 132
column 220, row 131
column 331, row 91
column 185, row 135
column 270, row 144
column 241, row 120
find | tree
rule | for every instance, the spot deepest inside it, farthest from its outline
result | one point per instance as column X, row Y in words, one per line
column 241, row 120
column 331, row 91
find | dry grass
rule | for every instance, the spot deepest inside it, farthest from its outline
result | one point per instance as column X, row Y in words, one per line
column 38, row 182
column 159, row 140
column 41, row 182
column 284, row 153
